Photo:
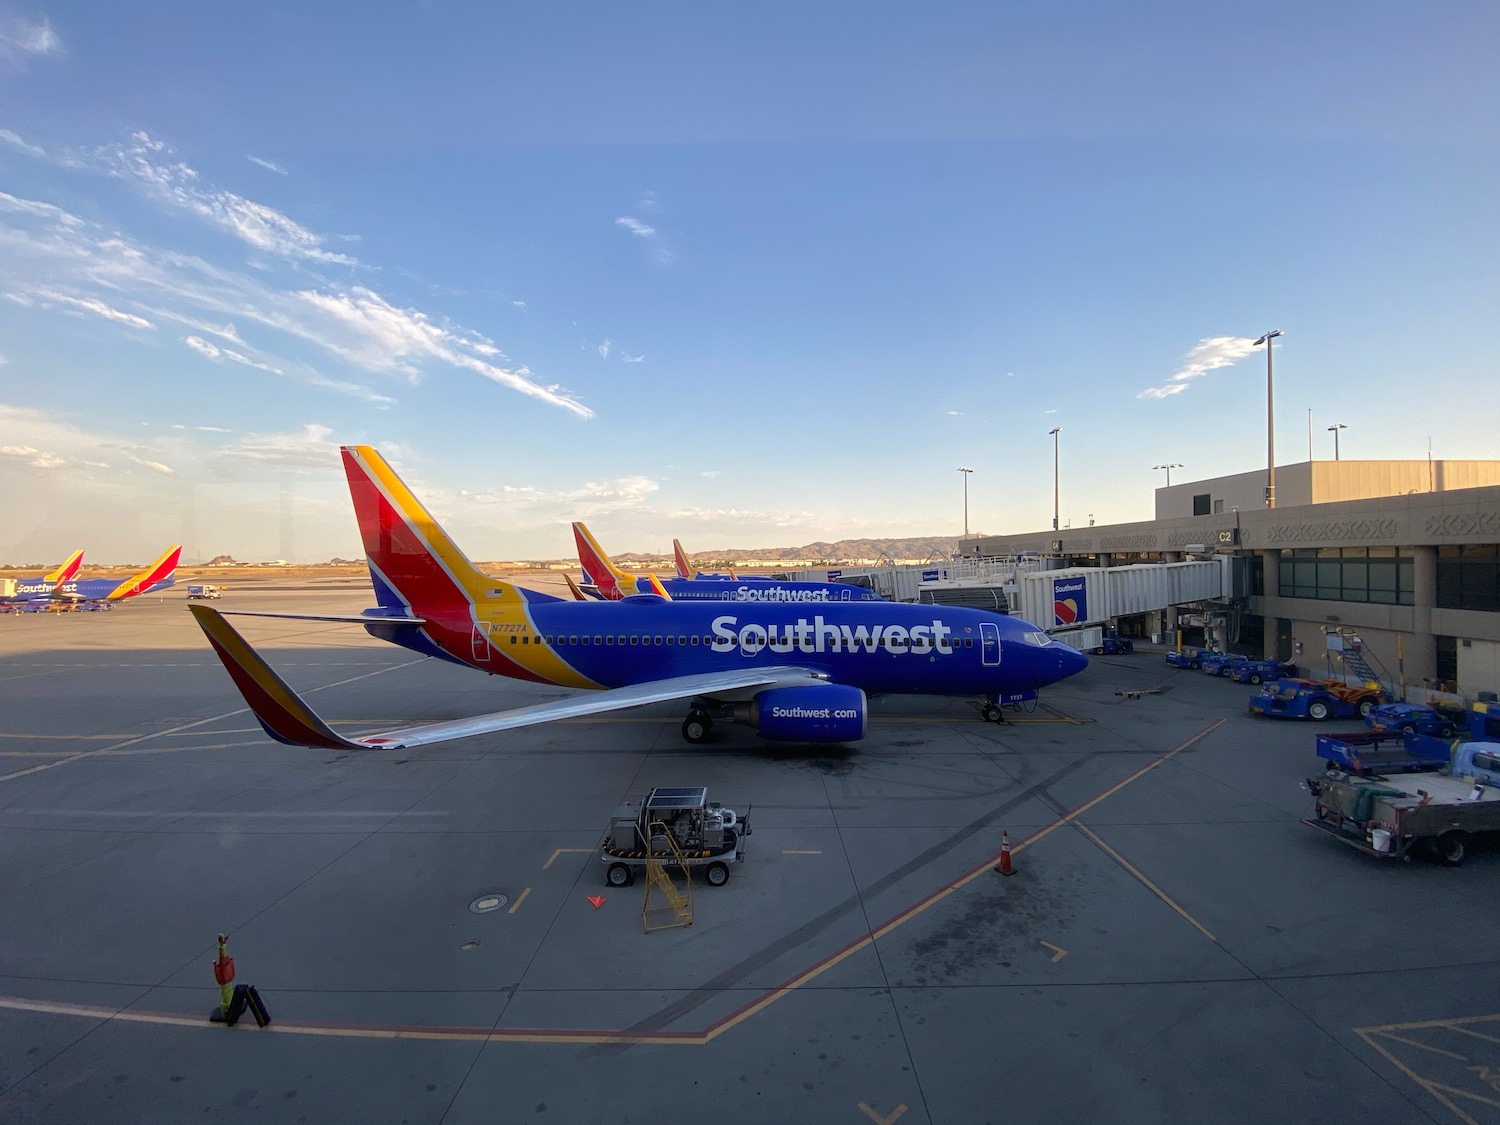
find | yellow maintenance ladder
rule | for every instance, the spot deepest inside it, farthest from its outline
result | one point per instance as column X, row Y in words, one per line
column 678, row 902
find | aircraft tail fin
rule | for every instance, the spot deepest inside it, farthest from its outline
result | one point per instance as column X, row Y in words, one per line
column 278, row 709
column 685, row 567
column 610, row 580
column 414, row 566
column 67, row 571
column 158, row 573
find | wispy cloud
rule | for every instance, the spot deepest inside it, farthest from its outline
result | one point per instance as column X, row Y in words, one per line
column 153, row 167
column 635, row 226
column 356, row 324
column 312, row 449
column 626, row 358
column 21, row 39
column 1209, row 354
column 48, row 298
column 709, row 474
column 268, row 165
column 155, row 466
column 219, row 355
column 25, row 146
column 603, row 349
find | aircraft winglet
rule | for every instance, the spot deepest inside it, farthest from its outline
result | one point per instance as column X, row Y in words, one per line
column 658, row 589
column 280, row 710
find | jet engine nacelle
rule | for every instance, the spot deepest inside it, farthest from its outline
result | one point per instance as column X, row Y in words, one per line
column 826, row 713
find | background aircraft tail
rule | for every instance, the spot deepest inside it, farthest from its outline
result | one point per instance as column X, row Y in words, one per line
column 685, row 567
column 67, row 572
column 158, row 574
column 610, row 580
column 414, row 566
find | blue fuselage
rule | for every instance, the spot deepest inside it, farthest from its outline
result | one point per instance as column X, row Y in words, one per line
column 877, row 646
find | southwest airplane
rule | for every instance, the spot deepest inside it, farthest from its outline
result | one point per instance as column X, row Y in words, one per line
column 609, row 582
column 794, row 672
column 30, row 589
column 157, row 576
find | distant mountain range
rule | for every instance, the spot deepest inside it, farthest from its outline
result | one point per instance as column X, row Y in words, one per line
column 920, row 548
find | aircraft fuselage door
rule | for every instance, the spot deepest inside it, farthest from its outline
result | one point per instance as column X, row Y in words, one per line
column 480, row 644
column 989, row 644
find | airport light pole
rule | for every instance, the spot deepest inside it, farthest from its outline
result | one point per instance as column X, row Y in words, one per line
column 1054, row 431
column 966, row 473
column 1335, row 428
column 1169, row 468
column 1270, row 420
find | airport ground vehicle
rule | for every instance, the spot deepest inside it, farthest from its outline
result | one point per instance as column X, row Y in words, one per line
column 679, row 826
column 1256, row 671
column 1113, row 645
column 1388, row 816
column 1220, row 663
column 1314, row 699
column 203, row 590
column 1408, row 717
column 1187, row 657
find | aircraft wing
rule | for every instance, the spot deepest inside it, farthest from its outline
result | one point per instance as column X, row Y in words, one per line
column 356, row 618
column 287, row 718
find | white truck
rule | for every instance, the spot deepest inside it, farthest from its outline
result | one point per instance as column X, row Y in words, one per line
column 203, row 590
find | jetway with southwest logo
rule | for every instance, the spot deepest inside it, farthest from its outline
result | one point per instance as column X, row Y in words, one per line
column 1078, row 596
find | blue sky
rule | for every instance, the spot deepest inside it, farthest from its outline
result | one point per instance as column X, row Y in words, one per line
column 745, row 276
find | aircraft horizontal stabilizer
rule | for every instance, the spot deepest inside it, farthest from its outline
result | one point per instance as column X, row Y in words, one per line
column 287, row 718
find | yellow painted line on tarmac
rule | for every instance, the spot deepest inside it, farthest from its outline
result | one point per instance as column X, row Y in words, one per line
column 188, row 726
column 1441, row 1091
column 560, row 851
column 1147, row 883
column 1058, row 951
column 519, row 900
column 799, row 851
column 595, row 1037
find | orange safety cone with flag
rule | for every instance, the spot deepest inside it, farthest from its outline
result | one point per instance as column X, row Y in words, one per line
column 1004, row 866
column 224, row 977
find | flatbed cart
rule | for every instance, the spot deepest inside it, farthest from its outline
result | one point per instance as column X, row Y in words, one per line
column 1388, row 816
column 678, row 826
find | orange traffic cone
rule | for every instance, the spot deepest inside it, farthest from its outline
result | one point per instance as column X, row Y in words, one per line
column 1004, row 866
column 224, row 978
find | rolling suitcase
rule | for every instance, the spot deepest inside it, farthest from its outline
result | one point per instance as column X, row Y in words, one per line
column 236, row 1004
column 257, row 1006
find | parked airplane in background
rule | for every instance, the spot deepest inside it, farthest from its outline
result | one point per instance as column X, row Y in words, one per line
column 29, row 589
column 158, row 576
column 686, row 569
column 794, row 672
column 607, row 581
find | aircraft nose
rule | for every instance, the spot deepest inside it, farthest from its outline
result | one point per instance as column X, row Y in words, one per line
column 1070, row 662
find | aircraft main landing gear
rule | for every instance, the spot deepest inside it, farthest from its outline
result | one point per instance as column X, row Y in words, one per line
column 698, row 724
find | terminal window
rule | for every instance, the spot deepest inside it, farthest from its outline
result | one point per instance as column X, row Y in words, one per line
column 1468, row 577
column 1201, row 504
column 1347, row 574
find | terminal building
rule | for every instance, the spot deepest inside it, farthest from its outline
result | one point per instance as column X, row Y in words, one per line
column 1398, row 558
column 1390, row 566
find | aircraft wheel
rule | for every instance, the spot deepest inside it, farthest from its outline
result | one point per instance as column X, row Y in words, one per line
column 696, row 726
column 619, row 875
column 716, row 874
column 990, row 713
column 1318, row 710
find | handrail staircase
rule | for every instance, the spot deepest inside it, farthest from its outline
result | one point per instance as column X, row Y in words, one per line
column 679, row 903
